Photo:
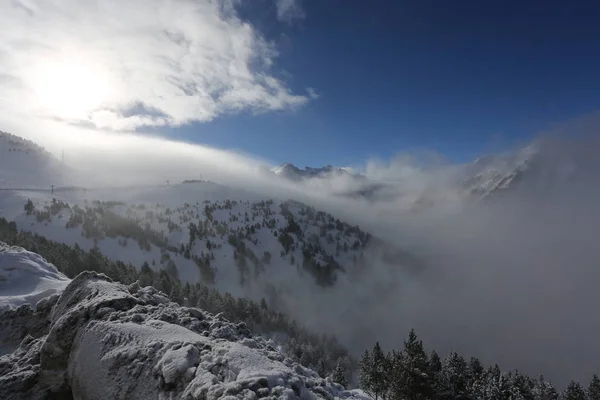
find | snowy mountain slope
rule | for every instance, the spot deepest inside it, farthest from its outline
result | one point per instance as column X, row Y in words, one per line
column 106, row 340
column 24, row 164
column 488, row 175
column 25, row 278
column 540, row 167
column 291, row 172
column 240, row 246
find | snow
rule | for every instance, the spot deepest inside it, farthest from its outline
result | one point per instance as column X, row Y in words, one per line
column 26, row 277
column 248, row 364
column 489, row 174
column 106, row 340
column 293, row 173
column 175, row 363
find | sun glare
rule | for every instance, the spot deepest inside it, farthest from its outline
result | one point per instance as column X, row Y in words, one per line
column 70, row 88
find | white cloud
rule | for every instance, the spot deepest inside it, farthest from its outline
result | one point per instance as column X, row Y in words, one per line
column 289, row 10
column 120, row 65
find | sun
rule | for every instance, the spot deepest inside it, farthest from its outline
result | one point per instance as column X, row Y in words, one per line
column 69, row 88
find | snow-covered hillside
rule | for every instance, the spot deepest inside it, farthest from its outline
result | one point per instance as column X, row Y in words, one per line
column 488, row 175
column 541, row 167
column 98, row 339
column 240, row 246
column 291, row 172
column 24, row 164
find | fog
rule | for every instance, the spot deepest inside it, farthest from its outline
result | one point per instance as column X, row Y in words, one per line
column 512, row 279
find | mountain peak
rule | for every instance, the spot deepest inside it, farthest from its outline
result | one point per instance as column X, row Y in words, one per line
column 290, row 171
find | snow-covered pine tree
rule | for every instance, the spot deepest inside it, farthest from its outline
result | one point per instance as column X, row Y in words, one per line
column 366, row 365
column 454, row 378
column 475, row 370
column 373, row 372
column 415, row 368
column 574, row 391
column 543, row 390
column 396, row 371
column 435, row 367
column 321, row 370
column 593, row 391
column 340, row 375
column 521, row 386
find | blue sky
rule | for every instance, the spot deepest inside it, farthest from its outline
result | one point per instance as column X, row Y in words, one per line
column 458, row 77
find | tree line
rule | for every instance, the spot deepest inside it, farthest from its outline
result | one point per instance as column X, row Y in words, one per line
column 412, row 374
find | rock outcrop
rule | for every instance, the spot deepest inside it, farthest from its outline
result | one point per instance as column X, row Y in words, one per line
column 104, row 340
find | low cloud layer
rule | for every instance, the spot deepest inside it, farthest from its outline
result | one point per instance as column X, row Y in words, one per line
column 121, row 65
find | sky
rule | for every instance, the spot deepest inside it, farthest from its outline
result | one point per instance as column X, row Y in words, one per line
column 304, row 81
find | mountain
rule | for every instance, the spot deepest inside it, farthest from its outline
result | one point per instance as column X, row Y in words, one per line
column 541, row 167
column 291, row 172
column 349, row 184
column 232, row 239
column 98, row 339
column 24, row 164
column 488, row 175
column 234, row 244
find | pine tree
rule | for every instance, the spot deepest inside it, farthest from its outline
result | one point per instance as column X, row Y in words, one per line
column 339, row 375
column 521, row 386
column 475, row 369
column 435, row 367
column 185, row 293
column 366, row 366
column 28, row 207
column 171, row 270
column 146, row 276
column 543, row 390
column 373, row 374
column 321, row 370
column 176, row 294
column 593, row 390
column 145, row 268
column 396, row 375
column 574, row 391
column 415, row 369
column 435, row 364
column 454, row 378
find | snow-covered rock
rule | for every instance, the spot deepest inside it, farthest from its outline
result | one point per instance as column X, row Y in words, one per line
column 104, row 340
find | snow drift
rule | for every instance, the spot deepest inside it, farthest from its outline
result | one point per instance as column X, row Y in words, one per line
column 25, row 277
column 100, row 339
